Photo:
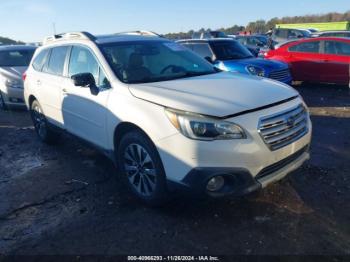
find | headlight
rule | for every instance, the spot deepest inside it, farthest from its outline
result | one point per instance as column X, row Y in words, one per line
column 200, row 127
column 13, row 83
column 257, row 71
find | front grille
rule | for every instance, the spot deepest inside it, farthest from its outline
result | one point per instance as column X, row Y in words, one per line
column 281, row 164
column 284, row 128
column 280, row 74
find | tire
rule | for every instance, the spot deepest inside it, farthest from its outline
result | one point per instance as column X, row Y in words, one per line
column 2, row 102
column 43, row 129
column 141, row 168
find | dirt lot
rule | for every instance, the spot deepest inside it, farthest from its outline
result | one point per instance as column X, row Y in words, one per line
column 68, row 199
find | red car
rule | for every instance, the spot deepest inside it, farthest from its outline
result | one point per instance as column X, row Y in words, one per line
column 323, row 59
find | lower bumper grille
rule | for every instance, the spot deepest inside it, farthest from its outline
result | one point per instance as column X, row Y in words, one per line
column 280, row 75
column 281, row 164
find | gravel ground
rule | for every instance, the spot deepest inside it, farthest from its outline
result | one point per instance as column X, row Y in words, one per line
column 68, row 199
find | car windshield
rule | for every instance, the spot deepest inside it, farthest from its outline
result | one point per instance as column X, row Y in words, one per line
column 15, row 57
column 153, row 61
column 229, row 50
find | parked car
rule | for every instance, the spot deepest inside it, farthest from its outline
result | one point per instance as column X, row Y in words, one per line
column 324, row 59
column 281, row 35
column 332, row 34
column 209, row 34
column 262, row 38
column 14, row 60
column 253, row 43
column 165, row 116
column 230, row 55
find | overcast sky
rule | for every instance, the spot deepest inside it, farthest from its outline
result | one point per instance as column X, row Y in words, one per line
column 31, row 20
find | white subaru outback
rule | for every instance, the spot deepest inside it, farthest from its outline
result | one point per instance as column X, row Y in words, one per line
column 165, row 116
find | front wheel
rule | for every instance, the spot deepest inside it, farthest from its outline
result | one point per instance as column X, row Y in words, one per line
column 41, row 125
column 142, row 169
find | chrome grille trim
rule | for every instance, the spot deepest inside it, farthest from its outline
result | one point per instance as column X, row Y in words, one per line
column 280, row 74
column 284, row 128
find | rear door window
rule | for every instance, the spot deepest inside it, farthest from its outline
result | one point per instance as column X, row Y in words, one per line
column 306, row 47
column 57, row 60
column 203, row 50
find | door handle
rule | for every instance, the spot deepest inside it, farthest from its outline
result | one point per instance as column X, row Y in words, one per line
column 65, row 92
column 38, row 82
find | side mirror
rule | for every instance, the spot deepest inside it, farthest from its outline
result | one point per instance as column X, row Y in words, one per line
column 86, row 80
column 209, row 59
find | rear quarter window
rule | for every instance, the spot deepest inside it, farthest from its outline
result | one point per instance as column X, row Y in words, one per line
column 40, row 60
column 337, row 48
column 57, row 60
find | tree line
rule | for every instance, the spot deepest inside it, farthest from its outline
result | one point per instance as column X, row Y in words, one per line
column 262, row 26
column 8, row 41
column 259, row 26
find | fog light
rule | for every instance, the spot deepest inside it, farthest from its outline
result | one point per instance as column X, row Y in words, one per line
column 215, row 184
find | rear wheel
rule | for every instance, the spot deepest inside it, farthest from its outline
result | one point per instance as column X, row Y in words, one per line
column 142, row 169
column 2, row 102
column 41, row 125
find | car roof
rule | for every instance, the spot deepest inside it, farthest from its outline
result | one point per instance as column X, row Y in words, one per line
column 333, row 31
column 74, row 37
column 105, row 39
column 331, row 38
column 16, row 47
column 206, row 40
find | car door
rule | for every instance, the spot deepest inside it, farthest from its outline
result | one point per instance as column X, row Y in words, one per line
column 84, row 113
column 49, row 84
column 336, row 61
column 305, row 60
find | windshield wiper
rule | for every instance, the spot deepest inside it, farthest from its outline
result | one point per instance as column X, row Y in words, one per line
column 168, row 78
column 193, row 73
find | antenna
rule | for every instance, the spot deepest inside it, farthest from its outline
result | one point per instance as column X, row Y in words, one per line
column 54, row 28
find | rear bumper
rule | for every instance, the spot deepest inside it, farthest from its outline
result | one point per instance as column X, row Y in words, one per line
column 239, row 182
column 13, row 97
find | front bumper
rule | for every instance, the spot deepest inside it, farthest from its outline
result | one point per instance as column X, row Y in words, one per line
column 191, row 163
column 239, row 181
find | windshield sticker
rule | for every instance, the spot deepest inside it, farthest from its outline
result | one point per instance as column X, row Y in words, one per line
column 175, row 47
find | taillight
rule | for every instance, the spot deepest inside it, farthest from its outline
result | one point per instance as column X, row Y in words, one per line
column 24, row 76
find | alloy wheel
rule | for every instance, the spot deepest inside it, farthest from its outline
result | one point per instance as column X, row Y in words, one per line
column 2, row 103
column 39, row 121
column 140, row 169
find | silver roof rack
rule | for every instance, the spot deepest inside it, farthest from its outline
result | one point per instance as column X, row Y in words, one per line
column 140, row 32
column 70, row 35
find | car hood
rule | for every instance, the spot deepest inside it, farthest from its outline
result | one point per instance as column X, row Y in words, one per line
column 13, row 72
column 219, row 95
column 260, row 62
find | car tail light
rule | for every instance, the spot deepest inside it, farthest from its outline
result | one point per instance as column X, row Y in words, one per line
column 24, row 76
